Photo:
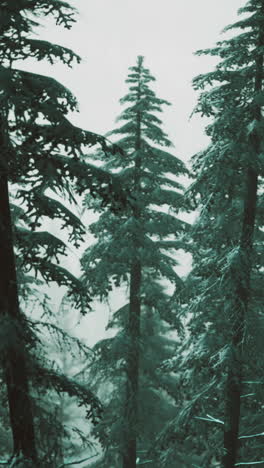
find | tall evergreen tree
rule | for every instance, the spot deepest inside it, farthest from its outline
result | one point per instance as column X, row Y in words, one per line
column 40, row 150
column 240, row 76
column 225, row 302
column 136, row 247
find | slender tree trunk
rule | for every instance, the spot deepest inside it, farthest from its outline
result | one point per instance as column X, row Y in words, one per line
column 133, row 327
column 242, row 293
column 21, row 418
column 131, row 404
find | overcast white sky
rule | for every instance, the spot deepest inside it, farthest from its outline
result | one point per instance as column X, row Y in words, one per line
column 109, row 35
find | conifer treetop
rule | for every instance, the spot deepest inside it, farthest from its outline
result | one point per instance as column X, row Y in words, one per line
column 142, row 101
column 143, row 139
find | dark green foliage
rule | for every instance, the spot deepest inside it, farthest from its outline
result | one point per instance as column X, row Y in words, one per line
column 157, row 390
column 43, row 152
column 49, row 384
column 42, row 161
column 223, row 309
column 137, row 248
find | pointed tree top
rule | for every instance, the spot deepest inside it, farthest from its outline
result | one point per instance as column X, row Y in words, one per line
column 140, row 60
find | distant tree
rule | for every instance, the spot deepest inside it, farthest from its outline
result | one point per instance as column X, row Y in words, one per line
column 137, row 247
column 71, row 356
column 41, row 151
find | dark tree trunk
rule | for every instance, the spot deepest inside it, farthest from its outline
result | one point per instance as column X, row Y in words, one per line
column 242, row 293
column 131, row 404
column 133, row 327
column 13, row 358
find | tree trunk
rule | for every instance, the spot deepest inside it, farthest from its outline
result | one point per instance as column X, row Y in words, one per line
column 133, row 327
column 131, row 404
column 14, row 364
column 242, row 293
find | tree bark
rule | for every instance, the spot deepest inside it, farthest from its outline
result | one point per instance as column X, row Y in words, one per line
column 133, row 327
column 242, row 292
column 131, row 403
column 13, row 357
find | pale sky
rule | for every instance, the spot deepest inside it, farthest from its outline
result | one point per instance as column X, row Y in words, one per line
column 109, row 35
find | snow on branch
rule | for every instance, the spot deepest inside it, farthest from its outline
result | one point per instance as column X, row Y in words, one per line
column 78, row 462
column 252, row 435
column 250, row 463
column 209, row 418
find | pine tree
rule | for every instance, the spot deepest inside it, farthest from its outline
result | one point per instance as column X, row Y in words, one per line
column 225, row 302
column 40, row 150
column 240, row 75
column 136, row 248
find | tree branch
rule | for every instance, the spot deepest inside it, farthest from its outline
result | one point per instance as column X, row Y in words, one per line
column 78, row 462
column 250, row 463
